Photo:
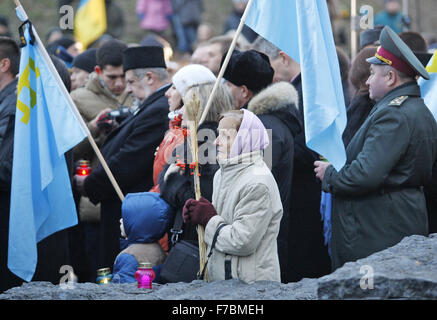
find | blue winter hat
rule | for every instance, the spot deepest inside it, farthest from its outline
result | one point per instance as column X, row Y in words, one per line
column 146, row 217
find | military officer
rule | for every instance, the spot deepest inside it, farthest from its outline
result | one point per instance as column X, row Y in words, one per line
column 378, row 195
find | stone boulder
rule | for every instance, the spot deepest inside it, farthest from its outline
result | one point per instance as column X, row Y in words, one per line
column 407, row 270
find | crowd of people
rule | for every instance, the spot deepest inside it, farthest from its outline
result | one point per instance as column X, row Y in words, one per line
column 261, row 186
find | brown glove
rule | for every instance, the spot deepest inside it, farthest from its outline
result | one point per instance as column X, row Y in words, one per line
column 198, row 212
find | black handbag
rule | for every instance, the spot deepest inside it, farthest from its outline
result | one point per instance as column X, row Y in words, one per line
column 182, row 262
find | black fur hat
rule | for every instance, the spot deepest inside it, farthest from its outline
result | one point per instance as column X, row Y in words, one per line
column 143, row 57
column 250, row 68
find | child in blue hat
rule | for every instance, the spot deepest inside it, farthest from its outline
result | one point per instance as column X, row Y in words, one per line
column 145, row 219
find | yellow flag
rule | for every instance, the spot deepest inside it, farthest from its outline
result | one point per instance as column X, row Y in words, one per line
column 432, row 67
column 428, row 88
column 90, row 21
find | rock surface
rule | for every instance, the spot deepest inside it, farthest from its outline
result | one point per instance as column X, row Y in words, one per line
column 405, row 271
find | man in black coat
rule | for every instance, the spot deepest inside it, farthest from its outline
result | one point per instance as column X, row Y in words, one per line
column 9, row 62
column 129, row 149
column 308, row 257
column 277, row 108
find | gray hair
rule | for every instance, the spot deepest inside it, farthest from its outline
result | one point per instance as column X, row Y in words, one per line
column 161, row 73
column 236, row 115
column 266, row 47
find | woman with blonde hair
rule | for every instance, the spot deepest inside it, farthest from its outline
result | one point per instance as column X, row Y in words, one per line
column 189, row 76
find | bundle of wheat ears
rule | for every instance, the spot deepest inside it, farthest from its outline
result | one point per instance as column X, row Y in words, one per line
column 193, row 112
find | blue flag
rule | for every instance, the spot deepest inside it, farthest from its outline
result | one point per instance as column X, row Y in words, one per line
column 45, row 128
column 326, row 212
column 428, row 88
column 302, row 29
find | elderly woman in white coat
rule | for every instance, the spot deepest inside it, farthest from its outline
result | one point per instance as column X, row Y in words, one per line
column 246, row 208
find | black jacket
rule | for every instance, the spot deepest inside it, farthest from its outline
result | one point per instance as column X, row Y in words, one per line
column 177, row 189
column 277, row 108
column 357, row 112
column 431, row 201
column 309, row 256
column 129, row 151
column 8, row 103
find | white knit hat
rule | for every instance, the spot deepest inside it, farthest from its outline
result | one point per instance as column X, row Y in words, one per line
column 191, row 75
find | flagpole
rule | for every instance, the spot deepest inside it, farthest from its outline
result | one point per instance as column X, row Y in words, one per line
column 70, row 101
column 226, row 61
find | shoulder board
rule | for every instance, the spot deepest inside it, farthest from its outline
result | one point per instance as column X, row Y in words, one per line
column 398, row 101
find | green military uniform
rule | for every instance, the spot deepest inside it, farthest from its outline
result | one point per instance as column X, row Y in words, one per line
column 377, row 196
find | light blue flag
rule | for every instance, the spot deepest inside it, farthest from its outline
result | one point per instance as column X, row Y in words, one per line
column 302, row 29
column 45, row 128
column 428, row 88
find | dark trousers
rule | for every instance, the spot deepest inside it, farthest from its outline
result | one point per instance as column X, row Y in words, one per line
column 84, row 250
column 7, row 278
column 109, row 232
column 308, row 255
column 92, row 236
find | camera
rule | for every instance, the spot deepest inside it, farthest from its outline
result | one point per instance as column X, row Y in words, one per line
column 120, row 114
column 109, row 120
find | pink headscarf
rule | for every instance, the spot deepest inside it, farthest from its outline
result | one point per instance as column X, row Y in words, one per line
column 251, row 136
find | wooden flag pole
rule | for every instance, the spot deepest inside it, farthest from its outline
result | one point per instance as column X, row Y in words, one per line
column 226, row 61
column 71, row 104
